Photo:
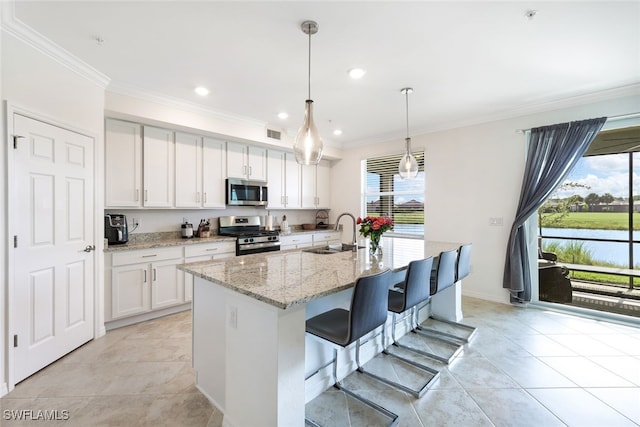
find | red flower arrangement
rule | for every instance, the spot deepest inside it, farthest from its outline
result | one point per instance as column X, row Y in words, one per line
column 373, row 227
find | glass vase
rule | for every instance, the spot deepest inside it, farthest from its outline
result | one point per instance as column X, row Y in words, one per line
column 375, row 249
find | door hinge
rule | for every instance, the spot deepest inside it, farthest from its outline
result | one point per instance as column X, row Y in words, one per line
column 15, row 241
column 15, row 340
column 15, row 141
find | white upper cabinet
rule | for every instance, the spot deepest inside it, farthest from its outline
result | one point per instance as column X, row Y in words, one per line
column 283, row 178
column 123, row 164
column 158, row 167
column 214, row 171
column 246, row 162
column 200, row 172
column 316, row 185
column 188, row 170
column 323, row 184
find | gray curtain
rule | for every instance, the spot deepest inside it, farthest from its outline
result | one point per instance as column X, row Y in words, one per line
column 553, row 152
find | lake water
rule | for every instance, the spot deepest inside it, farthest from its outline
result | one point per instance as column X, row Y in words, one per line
column 603, row 251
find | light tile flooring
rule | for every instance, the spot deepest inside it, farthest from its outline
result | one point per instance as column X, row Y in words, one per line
column 525, row 367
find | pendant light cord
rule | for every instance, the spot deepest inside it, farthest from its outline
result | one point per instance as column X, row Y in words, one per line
column 309, row 77
column 406, row 94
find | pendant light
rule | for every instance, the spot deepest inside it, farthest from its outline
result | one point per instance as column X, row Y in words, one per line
column 308, row 144
column 408, row 167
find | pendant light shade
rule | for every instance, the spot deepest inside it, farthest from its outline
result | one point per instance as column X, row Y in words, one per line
column 308, row 144
column 408, row 167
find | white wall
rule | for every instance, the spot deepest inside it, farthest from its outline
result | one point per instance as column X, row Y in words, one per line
column 36, row 83
column 474, row 173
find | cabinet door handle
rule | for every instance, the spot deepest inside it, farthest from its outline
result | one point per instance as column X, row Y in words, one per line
column 205, row 197
column 244, row 170
column 212, row 249
column 250, row 171
column 137, row 194
column 146, row 194
column 145, row 277
column 197, row 197
column 154, row 274
column 149, row 256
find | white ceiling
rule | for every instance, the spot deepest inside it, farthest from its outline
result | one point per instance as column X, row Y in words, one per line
column 467, row 61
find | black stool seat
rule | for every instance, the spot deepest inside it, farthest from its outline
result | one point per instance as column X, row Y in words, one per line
column 367, row 313
column 332, row 325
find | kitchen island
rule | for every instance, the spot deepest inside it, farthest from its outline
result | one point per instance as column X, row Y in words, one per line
column 249, row 346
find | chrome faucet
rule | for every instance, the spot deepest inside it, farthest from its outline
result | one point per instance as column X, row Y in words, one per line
column 353, row 218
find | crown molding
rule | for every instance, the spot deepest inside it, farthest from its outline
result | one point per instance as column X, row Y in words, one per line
column 192, row 107
column 18, row 29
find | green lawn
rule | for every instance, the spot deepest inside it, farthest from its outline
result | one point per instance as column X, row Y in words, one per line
column 593, row 220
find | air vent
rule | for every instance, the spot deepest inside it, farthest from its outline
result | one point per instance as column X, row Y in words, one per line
column 274, row 134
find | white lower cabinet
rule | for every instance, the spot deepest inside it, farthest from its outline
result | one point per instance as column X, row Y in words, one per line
column 145, row 280
column 327, row 238
column 205, row 252
column 296, row 241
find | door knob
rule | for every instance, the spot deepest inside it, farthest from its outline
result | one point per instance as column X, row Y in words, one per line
column 90, row 248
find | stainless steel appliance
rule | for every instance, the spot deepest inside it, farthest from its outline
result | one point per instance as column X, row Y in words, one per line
column 251, row 238
column 240, row 192
column 115, row 229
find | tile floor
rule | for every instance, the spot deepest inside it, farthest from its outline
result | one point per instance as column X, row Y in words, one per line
column 525, row 367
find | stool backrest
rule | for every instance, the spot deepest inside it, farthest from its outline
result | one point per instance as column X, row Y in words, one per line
column 368, row 304
column 463, row 265
column 446, row 271
column 416, row 287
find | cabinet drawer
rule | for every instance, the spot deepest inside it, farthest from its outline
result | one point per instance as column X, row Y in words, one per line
column 210, row 249
column 296, row 239
column 145, row 255
column 328, row 236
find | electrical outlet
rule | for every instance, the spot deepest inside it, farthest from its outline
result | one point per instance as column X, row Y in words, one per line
column 135, row 222
column 496, row 221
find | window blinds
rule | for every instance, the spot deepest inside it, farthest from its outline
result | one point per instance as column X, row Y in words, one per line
column 386, row 194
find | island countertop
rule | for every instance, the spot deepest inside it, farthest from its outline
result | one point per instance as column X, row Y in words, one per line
column 288, row 278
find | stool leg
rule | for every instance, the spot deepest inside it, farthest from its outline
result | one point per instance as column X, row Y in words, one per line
column 415, row 393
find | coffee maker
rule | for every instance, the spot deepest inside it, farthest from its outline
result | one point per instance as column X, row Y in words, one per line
column 115, row 229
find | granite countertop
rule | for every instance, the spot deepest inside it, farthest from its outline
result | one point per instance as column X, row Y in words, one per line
column 168, row 239
column 288, row 278
column 165, row 241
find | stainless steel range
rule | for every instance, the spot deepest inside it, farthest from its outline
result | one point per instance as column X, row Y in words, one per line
column 250, row 238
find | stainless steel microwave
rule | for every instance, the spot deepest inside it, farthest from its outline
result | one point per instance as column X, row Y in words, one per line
column 246, row 193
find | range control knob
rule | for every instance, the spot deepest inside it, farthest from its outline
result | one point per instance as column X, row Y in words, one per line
column 251, row 239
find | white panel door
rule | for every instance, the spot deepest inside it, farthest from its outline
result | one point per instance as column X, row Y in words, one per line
column 158, row 158
column 214, row 171
column 52, row 218
column 188, row 171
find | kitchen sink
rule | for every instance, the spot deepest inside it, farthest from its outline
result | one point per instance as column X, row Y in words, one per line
column 332, row 249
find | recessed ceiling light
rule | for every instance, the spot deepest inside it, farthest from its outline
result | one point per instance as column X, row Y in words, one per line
column 202, row 91
column 337, row 132
column 283, row 115
column 356, row 73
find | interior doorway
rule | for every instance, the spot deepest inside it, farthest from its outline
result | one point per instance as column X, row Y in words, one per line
column 51, row 262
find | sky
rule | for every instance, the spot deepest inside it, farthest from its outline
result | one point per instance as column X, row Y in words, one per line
column 603, row 174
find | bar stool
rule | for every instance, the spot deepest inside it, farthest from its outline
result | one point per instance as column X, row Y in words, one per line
column 415, row 291
column 463, row 268
column 442, row 277
column 341, row 327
